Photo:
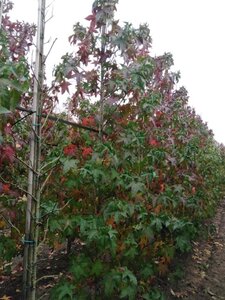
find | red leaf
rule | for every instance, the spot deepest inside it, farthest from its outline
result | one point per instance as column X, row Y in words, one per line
column 193, row 190
column 159, row 113
column 90, row 18
column 70, row 150
column 153, row 142
column 65, row 87
column 86, row 152
column 162, row 187
column 88, row 121
column 5, row 188
column 9, row 153
column 84, row 53
column 12, row 214
column 8, row 129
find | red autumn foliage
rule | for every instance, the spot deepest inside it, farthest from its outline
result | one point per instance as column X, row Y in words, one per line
column 86, row 152
column 8, row 153
column 88, row 121
column 8, row 129
column 4, row 188
column 159, row 113
column 65, row 86
column 70, row 150
column 92, row 19
column 153, row 142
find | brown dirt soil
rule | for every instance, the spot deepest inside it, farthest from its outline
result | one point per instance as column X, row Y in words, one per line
column 199, row 275
column 51, row 268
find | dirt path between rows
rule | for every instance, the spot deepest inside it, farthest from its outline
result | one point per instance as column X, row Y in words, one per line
column 204, row 269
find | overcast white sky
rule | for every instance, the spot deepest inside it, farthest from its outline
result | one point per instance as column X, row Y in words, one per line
column 192, row 30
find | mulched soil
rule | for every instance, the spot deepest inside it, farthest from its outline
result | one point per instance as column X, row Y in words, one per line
column 199, row 275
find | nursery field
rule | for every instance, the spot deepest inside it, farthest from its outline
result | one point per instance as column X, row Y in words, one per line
column 120, row 195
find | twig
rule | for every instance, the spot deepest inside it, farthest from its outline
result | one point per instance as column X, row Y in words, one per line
column 47, row 7
column 46, row 119
column 25, row 164
column 44, row 295
column 10, row 224
column 49, row 51
column 50, row 4
column 21, row 119
column 67, row 203
column 49, row 132
column 47, row 277
column 48, row 19
column 51, row 162
column 46, row 180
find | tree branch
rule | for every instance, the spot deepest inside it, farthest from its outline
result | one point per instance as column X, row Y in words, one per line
column 74, row 124
column 25, row 164
column 47, row 277
column 10, row 223
column 46, row 57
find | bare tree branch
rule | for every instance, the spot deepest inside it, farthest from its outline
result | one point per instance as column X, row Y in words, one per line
column 49, row 51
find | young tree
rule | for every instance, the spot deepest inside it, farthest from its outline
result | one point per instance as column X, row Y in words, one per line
column 133, row 195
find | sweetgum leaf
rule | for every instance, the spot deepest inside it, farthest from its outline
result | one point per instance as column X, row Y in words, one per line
column 136, row 187
column 128, row 292
column 65, row 87
column 97, row 268
column 9, row 153
column 4, row 110
column 64, row 291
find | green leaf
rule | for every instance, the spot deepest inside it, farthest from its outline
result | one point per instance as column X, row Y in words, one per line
column 112, row 282
column 147, row 271
column 97, row 268
column 183, row 243
column 128, row 275
column 69, row 164
column 153, row 295
column 7, row 248
column 63, row 291
column 136, row 187
column 128, row 292
column 157, row 223
column 4, row 110
column 54, row 225
column 131, row 253
column 81, row 267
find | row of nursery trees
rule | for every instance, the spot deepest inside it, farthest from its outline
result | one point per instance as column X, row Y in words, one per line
column 128, row 170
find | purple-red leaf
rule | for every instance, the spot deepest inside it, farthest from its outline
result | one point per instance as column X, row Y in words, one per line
column 65, row 87
column 9, row 153
column 90, row 18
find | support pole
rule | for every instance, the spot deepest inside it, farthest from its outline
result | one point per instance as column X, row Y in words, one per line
column 1, row 12
column 33, row 198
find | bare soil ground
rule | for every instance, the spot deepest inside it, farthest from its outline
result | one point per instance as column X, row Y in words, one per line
column 199, row 275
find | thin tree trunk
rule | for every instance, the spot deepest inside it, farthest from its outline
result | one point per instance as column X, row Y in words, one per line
column 33, row 198
column 102, row 75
